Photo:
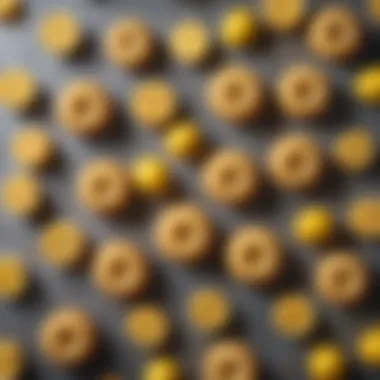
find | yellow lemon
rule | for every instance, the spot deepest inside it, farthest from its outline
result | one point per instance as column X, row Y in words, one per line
column 239, row 28
column 294, row 315
column 12, row 361
column 22, row 195
column 60, row 33
column 326, row 362
column 14, row 277
column 19, row 89
column 355, row 150
column 190, row 42
column 10, row 10
column 284, row 15
column 184, row 140
column 151, row 176
column 32, row 148
column 366, row 85
column 368, row 346
column 209, row 310
column 164, row 368
column 314, row 225
column 148, row 326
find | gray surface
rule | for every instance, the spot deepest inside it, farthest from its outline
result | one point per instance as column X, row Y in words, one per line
column 282, row 360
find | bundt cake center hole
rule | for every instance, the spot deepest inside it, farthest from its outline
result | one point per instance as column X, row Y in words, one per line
column 101, row 185
column 334, row 31
column 234, row 92
column 119, row 268
column 65, row 336
column 182, row 232
column 302, row 89
column 127, row 40
column 81, row 105
column 252, row 254
column 295, row 161
column 228, row 370
column 228, row 176
column 342, row 278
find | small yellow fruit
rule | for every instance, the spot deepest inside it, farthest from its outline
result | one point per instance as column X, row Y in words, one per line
column 368, row 346
column 10, row 10
column 164, row 368
column 314, row 225
column 154, row 104
column 284, row 15
column 363, row 217
column 32, row 148
column 184, row 140
column 14, row 277
column 294, row 315
column 148, row 326
column 63, row 243
column 190, row 42
column 355, row 150
column 239, row 28
column 12, row 361
column 22, row 195
column 366, row 85
column 326, row 362
column 60, row 33
column 19, row 89
column 209, row 310
column 151, row 176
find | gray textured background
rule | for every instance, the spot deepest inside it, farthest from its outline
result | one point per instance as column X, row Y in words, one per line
column 282, row 360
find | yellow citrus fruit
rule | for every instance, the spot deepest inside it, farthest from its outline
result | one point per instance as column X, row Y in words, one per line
column 60, row 33
column 22, row 195
column 209, row 310
column 184, row 140
column 14, row 277
column 294, row 315
column 10, row 10
column 190, row 42
column 32, row 148
column 368, row 346
column 163, row 368
column 239, row 28
column 314, row 225
column 284, row 15
column 12, row 360
column 151, row 176
column 363, row 217
column 63, row 243
column 355, row 150
column 326, row 362
column 366, row 85
column 19, row 90
column 148, row 326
